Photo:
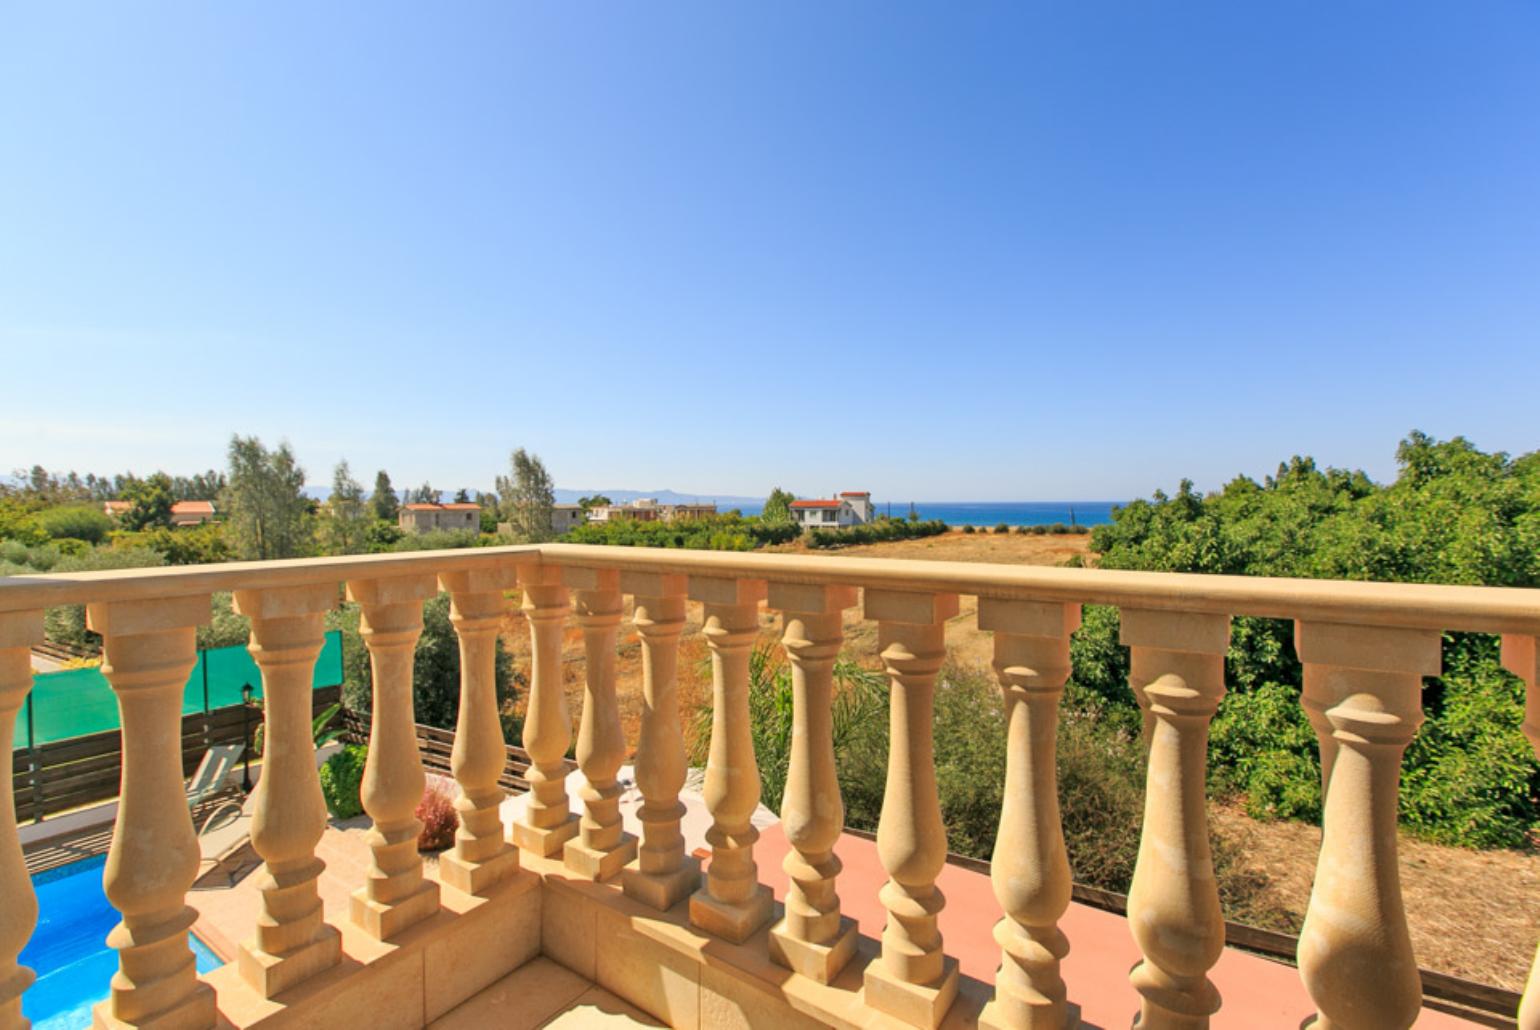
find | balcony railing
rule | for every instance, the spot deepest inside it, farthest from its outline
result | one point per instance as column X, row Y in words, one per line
column 1365, row 648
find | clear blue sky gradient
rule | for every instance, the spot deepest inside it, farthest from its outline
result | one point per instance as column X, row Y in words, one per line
column 980, row 251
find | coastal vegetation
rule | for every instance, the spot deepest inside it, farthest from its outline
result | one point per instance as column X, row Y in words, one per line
column 1454, row 514
column 880, row 530
column 726, row 532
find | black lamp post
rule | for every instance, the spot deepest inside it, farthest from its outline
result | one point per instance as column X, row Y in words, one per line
column 246, row 693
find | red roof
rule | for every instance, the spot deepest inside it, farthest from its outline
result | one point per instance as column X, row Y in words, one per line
column 816, row 504
column 193, row 508
column 421, row 507
column 855, row 493
column 461, row 506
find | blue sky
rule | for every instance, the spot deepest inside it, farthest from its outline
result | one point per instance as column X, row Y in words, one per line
column 983, row 251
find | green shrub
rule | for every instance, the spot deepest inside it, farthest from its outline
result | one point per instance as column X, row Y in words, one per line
column 1003, row 528
column 1262, row 746
column 435, row 666
column 1469, row 777
column 729, row 531
column 878, row 530
column 67, row 623
column 187, row 545
column 968, row 529
column 341, row 777
column 1038, row 530
column 1453, row 515
column 1058, row 529
column 225, row 627
column 77, row 521
column 19, row 523
column 859, row 705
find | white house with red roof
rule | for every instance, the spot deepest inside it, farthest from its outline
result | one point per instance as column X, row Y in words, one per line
column 850, row 508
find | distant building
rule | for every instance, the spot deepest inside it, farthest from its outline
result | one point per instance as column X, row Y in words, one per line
column 192, row 513
column 183, row 513
column 852, row 508
column 566, row 517
column 425, row 518
column 647, row 509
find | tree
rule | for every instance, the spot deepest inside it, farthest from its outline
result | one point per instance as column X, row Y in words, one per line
column 386, row 506
column 528, row 497
column 426, row 494
column 777, row 508
column 268, row 513
column 462, row 496
column 435, row 666
column 347, row 526
column 1453, row 515
column 596, row 501
column 204, row 486
column 149, row 501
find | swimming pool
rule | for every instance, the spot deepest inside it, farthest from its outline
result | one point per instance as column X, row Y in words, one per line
column 68, row 950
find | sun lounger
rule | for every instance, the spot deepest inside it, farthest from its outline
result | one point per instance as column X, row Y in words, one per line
column 218, row 844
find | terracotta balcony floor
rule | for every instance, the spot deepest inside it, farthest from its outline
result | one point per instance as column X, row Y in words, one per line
column 1257, row 992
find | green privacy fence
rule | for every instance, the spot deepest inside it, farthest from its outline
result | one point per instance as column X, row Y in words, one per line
column 77, row 702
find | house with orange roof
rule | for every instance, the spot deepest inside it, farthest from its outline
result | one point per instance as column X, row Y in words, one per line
column 183, row 513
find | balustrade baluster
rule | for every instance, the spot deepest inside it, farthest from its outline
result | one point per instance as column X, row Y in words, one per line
column 18, row 632
column 548, row 821
column 1521, row 656
column 812, row 939
column 1176, row 664
column 1355, row 952
column 292, row 940
column 481, row 857
column 1030, row 868
column 602, row 847
column 913, row 980
column 149, row 648
column 662, row 874
column 733, row 903
column 395, row 895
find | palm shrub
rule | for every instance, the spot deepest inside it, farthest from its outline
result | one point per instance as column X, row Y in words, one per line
column 859, row 702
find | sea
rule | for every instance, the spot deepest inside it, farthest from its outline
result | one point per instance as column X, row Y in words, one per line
column 993, row 513
column 1012, row 513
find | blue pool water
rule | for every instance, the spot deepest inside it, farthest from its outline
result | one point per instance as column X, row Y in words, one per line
column 68, row 950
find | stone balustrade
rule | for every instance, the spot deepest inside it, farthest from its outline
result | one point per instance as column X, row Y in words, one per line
column 1365, row 649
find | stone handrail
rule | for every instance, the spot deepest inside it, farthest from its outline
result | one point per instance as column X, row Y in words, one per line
column 1365, row 648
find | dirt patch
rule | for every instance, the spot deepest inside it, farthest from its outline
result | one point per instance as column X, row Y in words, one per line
column 1004, row 548
column 1471, row 913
